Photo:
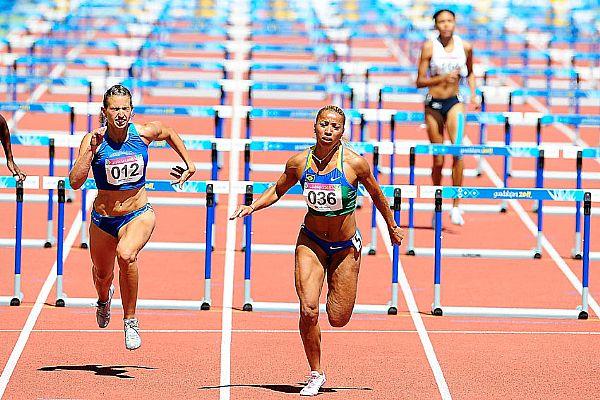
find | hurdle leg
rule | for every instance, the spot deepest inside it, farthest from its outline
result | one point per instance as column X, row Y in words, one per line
column 411, row 206
column 437, row 305
column 84, row 225
column 576, row 252
column 393, row 305
column 210, row 218
column 60, row 294
column 587, row 210
column 50, row 224
column 17, row 295
column 248, row 253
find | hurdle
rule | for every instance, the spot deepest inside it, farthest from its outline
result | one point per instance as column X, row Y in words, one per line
column 579, row 154
column 570, row 119
column 210, row 188
column 251, row 188
column 300, row 91
column 375, row 148
column 49, row 108
column 31, row 182
column 190, row 88
column 323, row 71
column 581, row 312
column 503, row 151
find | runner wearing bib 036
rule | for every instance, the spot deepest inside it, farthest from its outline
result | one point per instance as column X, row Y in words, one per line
column 328, row 195
column 121, row 166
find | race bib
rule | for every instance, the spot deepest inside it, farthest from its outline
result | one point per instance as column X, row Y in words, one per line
column 124, row 169
column 323, row 196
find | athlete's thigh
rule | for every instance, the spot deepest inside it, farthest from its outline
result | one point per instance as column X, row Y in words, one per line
column 435, row 125
column 309, row 271
column 452, row 120
column 136, row 233
column 342, row 281
column 103, row 247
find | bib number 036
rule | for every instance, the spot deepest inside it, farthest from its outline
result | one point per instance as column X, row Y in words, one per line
column 321, row 198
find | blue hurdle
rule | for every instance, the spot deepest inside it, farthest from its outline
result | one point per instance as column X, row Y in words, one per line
column 249, row 189
column 457, row 150
column 49, row 108
column 210, row 188
column 31, row 182
column 581, row 312
column 579, row 154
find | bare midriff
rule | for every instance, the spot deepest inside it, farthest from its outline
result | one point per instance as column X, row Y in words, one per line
column 444, row 90
column 120, row 202
column 332, row 229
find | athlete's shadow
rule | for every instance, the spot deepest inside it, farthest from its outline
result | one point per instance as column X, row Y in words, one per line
column 289, row 389
column 117, row 371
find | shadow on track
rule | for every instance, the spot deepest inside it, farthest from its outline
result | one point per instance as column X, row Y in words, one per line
column 117, row 371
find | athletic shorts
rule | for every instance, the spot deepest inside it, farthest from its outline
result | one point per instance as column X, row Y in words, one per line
column 330, row 248
column 111, row 225
column 441, row 105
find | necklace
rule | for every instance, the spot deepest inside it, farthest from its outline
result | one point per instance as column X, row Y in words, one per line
column 321, row 160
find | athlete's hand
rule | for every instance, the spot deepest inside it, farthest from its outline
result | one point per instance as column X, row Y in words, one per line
column 97, row 138
column 453, row 76
column 16, row 171
column 396, row 235
column 241, row 212
column 182, row 174
column 475, row 102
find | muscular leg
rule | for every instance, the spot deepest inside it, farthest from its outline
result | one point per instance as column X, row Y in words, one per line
column 452, row 124
column 435, row 131
column 102, row 251
column 132, row 238
column 342, row 282
column 309, row 276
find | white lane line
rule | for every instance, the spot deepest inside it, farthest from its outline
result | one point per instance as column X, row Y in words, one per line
column 71, row 237
column 416, row 317
column 405, row 285
column 548, row 247
column 39, row 304
column 325, row 331
column 229, row 268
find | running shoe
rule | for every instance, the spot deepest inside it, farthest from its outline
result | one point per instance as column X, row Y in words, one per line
column 132, row 336
column 103, row 309
column 456, row 216
column 315, row 381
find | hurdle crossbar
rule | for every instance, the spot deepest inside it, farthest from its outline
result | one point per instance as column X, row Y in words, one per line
column 252, row 188
column 210, row 188
column 581, row 312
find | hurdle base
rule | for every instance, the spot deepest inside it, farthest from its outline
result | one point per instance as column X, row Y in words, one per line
column 476, row 253
column 295, row 307
column 141, row 303
column 83, row 245
column 247, row 307
column 175, row 246
column 11, row 300
column 28, row 243
column 510, row 312
column 372, row 252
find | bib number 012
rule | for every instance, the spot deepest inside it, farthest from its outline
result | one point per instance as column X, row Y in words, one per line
column 124, row 171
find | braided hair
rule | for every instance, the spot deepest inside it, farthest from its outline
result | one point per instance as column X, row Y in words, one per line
column 335, row 109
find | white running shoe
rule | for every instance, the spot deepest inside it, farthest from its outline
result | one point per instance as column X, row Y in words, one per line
column 315, row 381
column 132, row 336
column 103, row 309
column 456, row 216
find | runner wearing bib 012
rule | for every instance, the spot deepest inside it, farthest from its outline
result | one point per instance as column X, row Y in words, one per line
column 121, row 166
column 328, row 195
